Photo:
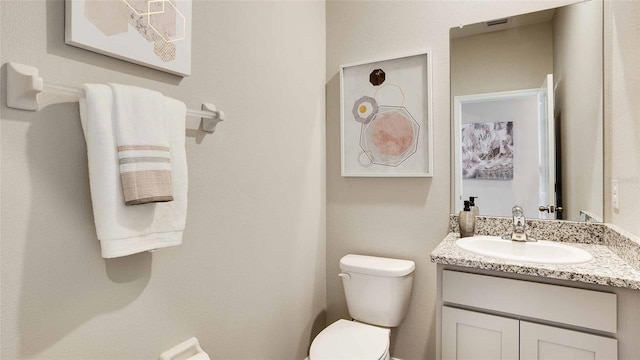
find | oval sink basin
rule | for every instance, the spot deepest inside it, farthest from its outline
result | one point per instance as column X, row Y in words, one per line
column 541, row 252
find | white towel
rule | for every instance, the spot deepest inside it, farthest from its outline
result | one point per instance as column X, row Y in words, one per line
column 125, row 230
column 143, row 144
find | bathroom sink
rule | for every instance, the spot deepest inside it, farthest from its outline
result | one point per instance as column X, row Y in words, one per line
column 542, row 252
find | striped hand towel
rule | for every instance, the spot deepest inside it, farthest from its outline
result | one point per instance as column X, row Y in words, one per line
column 145, row 173
column 143, row 145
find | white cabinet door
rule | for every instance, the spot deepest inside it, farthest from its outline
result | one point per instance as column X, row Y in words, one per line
column 542, row 342
column 472, row 335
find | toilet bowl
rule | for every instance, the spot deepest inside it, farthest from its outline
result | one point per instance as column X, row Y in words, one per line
column 351, row 340
column 377, row 292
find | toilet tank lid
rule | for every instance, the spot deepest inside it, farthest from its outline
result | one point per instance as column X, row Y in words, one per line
column 373, row 265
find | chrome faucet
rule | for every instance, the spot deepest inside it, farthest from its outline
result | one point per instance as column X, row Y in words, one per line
column 519, row 222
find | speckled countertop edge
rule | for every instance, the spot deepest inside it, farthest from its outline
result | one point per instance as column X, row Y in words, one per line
column 606, row 268
column 624, row 244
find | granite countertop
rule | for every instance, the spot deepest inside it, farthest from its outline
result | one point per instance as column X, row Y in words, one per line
column 606, row 268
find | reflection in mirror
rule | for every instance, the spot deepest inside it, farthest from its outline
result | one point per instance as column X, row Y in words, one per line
column 527, row 116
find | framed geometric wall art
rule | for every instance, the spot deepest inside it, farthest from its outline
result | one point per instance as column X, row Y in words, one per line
column 153, row 33
column 386, row 121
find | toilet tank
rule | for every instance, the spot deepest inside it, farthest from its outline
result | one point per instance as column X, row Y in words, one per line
column 377, row 289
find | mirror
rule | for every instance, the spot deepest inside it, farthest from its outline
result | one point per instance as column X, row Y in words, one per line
column 527, row 114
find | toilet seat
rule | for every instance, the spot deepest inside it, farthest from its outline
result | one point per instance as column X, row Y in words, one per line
column 351, row 340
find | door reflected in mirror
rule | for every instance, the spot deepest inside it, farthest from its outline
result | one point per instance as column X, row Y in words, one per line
column 527, row 114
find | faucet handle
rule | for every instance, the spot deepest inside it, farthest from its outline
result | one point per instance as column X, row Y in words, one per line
column 550, row 208
column 517, row 211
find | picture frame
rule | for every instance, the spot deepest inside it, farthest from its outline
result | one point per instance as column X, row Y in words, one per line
column 386, row 121
column 152, row 33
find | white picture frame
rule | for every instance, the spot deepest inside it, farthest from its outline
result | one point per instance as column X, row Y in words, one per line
column 386, row 121
column 158, row 37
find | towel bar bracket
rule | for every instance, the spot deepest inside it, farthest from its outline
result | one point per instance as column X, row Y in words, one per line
column 24, row 85
column 208, row 125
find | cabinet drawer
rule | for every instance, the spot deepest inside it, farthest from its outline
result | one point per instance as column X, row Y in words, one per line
column 585, row 308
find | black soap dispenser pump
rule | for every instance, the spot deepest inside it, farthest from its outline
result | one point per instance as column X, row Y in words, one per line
column 466, row 221
column 472, row 205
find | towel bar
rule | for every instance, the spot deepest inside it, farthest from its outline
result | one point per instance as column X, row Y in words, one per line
column 24, row 85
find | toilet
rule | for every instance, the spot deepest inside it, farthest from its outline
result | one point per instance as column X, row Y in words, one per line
column 377, row 292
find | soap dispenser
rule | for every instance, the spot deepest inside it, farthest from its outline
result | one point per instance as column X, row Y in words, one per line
column 466, row 220
column 472, row 205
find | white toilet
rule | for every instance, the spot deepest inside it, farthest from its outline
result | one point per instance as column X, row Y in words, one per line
column 378, row 292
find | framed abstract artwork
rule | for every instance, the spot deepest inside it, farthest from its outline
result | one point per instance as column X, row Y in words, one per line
column 153, row 33
column 487, row 151
column 386, row 121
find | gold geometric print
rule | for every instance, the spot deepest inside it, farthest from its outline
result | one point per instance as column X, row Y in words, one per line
column 166, row 51
column 157, row 21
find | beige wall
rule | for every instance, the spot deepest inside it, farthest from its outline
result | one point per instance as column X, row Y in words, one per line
column 577, row 43
column 404, row 218
column 622, row 111
column 514, row 59
column 249, row 279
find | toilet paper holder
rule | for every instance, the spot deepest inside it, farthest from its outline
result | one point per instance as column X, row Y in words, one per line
column 187, row 350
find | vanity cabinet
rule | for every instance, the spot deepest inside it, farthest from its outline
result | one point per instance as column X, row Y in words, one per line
column 474, row 335
column 547, row 342
column 487, row 317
